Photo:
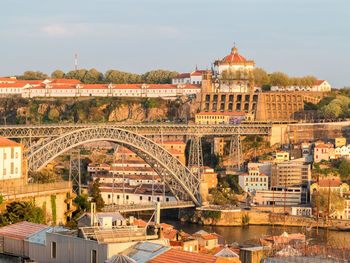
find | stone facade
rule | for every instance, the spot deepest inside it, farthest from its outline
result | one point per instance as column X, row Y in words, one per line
column 266, row 106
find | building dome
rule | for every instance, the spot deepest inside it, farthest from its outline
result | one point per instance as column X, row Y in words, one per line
column 234, row 56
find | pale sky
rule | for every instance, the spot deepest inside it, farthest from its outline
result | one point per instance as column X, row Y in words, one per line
column 298, row 37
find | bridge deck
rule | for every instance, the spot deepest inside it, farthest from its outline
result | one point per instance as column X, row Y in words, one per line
column 147, row 206
column 54, row 130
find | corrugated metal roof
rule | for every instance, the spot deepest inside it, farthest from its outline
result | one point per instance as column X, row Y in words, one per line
column 40, row 236
column 226, row 253
column 21, row 230
column 120, row 259
column 145, row 251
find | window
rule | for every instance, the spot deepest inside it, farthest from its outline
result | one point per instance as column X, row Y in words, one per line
column 167, row 199
column 12, row 152
column 140, row 198
column 12, row 168
column 5, row 156
column 53, row 249
column 157, row 199
column 4, row 171
column 93, row 256
column 149, row 198
column 127, row 197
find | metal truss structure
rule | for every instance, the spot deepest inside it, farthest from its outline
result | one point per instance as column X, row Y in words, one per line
column 75, row 171
column 195, row 156
column 44, row 131
column 183, row 184
column 236, row 152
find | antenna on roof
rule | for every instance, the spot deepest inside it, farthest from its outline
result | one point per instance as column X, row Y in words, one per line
column 76, row 61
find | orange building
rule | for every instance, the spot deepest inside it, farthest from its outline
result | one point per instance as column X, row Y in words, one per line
column 209, row 176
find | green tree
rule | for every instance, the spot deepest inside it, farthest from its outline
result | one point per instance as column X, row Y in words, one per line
column 79, row 74
column 57, row 74
column 279, row 79
column 336, row 202
column 96, row 195
column 344, row 169
column 24, row 211
column 33, row 75
column 92, row 76
column 261, row 78
column 54, row 114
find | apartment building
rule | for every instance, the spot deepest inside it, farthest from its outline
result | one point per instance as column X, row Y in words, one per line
column 291, row 173
column 11, row 161
column 280, row 196
column 253, row 180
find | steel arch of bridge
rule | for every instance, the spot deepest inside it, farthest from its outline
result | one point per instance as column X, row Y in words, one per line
column 177, row 177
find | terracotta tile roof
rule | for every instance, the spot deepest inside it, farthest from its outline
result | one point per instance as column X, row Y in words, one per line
column 6, row 142
column 167, row 226
column 139, row 222
column 65, row 81
column 11, row 85
column 319, row 82
column 209, row 237
column 183, row 75
column 170, row 234
column 21, row 230
column 7, row 79
column 331, row 183
column 180, row 256
column 197, row 73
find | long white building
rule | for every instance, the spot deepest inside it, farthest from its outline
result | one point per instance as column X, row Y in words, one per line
column 74, row 88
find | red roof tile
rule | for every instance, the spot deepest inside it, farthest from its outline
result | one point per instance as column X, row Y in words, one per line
column 183, row 75
column 21, row 230
column 6, row 142
column 319, row 82
column 234, row 57
column 179, row 256
column 209, row 237
column 330, row 183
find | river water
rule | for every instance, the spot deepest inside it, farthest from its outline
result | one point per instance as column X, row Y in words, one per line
column 242, row 234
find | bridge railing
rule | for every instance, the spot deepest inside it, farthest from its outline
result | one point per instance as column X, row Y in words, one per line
column 147, row 206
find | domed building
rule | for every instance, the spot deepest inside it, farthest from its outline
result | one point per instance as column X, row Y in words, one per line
column 234, row 73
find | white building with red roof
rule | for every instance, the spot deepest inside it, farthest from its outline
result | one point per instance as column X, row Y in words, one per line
column 320, row 86
column 10, row 159
column 64, row 89
column 195, row 78
column 234, row 73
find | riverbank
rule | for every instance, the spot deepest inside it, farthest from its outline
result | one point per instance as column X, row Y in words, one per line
column 241, row 218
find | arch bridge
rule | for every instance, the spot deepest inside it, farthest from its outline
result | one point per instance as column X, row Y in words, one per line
column 57, row 139
column 180, row 180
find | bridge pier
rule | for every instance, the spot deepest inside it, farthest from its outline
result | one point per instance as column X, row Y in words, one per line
column 236, row 154
column 195, row 156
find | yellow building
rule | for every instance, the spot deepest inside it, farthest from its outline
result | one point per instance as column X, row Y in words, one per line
column 282, row 156
column 340, row 141
column 220, row 117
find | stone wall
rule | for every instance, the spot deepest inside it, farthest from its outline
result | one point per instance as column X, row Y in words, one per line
column 318, row 131
column 235, row 218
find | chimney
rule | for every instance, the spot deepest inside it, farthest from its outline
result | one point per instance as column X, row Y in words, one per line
column 93, row 214
column 157, row 214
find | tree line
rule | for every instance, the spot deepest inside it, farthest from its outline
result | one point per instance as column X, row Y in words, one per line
column 93, row 76
column 265, row 80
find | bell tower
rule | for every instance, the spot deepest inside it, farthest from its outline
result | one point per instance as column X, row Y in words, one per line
column 207, row 82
